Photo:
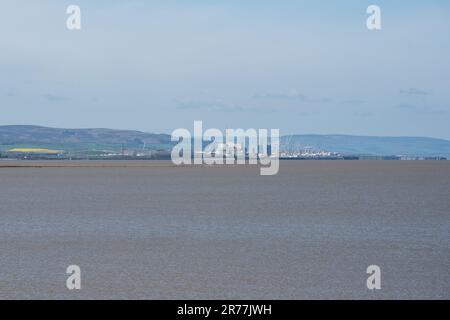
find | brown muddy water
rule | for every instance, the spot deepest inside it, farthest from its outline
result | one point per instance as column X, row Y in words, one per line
column 148, row 230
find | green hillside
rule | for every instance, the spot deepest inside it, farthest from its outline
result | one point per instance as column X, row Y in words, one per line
column 97, row 141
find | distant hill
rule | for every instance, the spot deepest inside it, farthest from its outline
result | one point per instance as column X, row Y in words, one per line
column 366, row 145
column 79, row 139
column 109, row 139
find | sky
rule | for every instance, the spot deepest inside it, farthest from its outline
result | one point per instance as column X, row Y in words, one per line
column 306, row 67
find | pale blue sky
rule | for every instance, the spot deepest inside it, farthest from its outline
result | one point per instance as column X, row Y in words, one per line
column 301, row 66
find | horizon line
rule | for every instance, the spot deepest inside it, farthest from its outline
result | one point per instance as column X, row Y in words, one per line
column 283, row 135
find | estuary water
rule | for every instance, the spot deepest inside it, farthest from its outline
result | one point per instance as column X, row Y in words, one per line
column 149, row 230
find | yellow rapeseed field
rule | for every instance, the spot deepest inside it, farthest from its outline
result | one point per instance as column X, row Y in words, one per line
column 34, row 150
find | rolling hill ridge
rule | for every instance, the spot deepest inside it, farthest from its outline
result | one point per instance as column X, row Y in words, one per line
column 25, row 136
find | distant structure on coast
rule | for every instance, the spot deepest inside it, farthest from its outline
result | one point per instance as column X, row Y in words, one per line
column 237, row 150
column 51, row 154
column 310, row 153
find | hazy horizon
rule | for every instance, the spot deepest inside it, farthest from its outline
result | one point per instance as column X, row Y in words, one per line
column 169, row 133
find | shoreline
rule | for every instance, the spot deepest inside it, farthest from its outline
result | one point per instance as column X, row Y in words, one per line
column 13, row 163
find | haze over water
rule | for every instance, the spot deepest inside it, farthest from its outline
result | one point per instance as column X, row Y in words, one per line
column 148, row 230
